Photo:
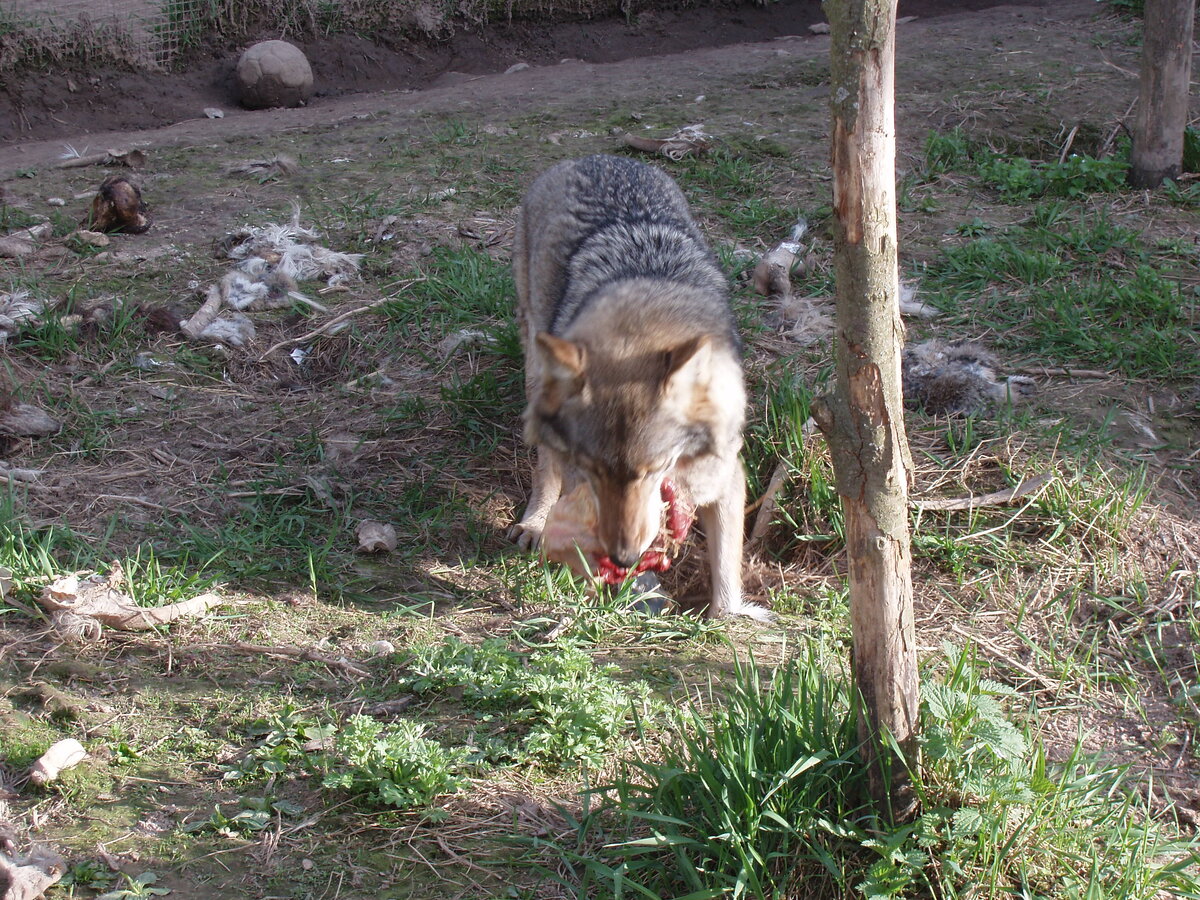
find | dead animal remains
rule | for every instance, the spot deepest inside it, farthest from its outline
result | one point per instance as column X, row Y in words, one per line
column 118, row 207
column 957, row 379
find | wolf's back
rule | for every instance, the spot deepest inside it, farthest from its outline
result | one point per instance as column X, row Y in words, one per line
column 592, row 223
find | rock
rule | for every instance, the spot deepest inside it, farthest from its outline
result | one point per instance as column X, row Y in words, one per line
column 819, row 28
column 15, row 247
column 26, row 420
column 274, row 73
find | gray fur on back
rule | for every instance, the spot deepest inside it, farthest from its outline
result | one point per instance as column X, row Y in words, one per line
column 600, row 221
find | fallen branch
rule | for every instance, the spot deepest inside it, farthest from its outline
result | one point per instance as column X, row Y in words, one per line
column 996, row 498
column 767, row 504
column 303, row 653
column 133, row 159
column 334, row 322
column 1064, row 371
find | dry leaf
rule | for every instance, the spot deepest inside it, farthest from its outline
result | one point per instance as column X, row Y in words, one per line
column 59, row 757
column 375, row 537
column 29, row 878
column 96, row 598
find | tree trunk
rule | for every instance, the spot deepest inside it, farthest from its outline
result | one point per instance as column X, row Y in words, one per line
column 1162, row 108
column 864, row 418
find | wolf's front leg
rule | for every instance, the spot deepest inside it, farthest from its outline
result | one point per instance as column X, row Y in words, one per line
column 547, row 486
column 724, row 522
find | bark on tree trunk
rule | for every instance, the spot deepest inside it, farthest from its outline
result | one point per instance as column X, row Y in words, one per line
column 1162, row 108
column 863, row 420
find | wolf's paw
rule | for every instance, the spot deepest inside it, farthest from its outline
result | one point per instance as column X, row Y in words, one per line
column 749, row 610
column 526, row 535
column 755, row 612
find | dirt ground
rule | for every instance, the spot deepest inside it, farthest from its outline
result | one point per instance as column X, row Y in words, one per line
column 69, row 104
column 166, row 434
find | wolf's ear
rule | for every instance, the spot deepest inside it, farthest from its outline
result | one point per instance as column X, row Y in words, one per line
column 687, row 366
column 563, row 371
column 561, row 358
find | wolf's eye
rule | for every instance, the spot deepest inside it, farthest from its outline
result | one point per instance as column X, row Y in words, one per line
column 655, row 470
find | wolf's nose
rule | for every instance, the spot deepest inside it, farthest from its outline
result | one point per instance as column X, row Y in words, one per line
column 626, row 560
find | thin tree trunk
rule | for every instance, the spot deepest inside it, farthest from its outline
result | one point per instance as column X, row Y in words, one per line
column 864, row 419
column 1163, row 92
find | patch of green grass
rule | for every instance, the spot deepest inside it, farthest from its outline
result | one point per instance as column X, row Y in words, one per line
column 485, row 407
column 760, row 794
column 744, row 797
column 1019, row 177
column 32, row 555
column 552, row 706
column 23, row 738
column 280, row 535
column 610, row 618
column 1080, row 515
column 1074, row 290
column 728, row 183
column 461, row 288
column 1075, row 176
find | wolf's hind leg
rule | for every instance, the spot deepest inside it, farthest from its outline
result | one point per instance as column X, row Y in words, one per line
column 547, row 486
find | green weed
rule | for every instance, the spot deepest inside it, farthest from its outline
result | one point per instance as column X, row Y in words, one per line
column 392, row 765
column 281, row 743
column 254, row 815
column 810, row 510
column 1022, row 178
column 136, row 887
column 552, row 706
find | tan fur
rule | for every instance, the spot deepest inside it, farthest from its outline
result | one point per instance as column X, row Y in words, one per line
column 643, row 382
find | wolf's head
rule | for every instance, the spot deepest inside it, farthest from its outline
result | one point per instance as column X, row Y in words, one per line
column 624, row 417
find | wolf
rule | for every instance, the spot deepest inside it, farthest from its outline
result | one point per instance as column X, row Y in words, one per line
column 633, row 370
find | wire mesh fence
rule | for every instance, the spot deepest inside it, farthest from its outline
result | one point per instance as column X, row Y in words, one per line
column 152, row 30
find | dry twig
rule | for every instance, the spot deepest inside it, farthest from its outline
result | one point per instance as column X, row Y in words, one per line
column 996, row 498
column 304, row 653
column 335, row 321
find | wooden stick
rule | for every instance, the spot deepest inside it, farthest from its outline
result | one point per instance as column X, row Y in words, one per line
column 336, row 320
column 304, row 653
column 768, row 503
column 996, row 498
column 1065, row 371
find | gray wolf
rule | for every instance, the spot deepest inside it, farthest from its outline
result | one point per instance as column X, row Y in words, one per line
column 633, row 368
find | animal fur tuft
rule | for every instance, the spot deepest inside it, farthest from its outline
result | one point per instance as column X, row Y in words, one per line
column 957, row 379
